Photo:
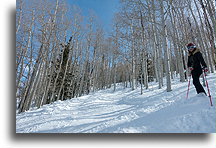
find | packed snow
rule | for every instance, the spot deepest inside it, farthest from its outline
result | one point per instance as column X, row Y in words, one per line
column 127, row 111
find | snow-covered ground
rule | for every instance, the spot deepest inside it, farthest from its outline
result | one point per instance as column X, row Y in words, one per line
column 126, row 111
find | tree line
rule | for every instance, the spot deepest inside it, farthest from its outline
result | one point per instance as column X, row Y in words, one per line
column 61, row 54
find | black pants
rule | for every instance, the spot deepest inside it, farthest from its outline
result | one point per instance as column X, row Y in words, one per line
column 196, row 81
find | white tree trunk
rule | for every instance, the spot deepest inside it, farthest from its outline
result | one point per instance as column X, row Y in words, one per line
column 166, row 52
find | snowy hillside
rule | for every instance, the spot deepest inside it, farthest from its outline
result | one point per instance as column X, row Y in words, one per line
column 126, row 111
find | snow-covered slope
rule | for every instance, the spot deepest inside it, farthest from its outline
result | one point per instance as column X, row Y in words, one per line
column 126, row 111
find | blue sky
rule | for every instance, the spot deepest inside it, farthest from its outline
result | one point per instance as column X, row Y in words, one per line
column 104, row 9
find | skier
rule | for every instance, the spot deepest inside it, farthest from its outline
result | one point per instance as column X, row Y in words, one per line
column 196, row 66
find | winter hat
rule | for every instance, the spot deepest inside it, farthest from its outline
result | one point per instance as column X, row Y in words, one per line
column 191, row 45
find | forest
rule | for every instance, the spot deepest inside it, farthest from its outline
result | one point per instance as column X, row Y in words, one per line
column 61, row 54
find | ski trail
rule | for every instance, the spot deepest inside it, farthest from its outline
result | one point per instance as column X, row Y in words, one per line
column 125, row 111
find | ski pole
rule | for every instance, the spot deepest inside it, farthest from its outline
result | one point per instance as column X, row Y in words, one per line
column 208, row 88
column 188, row 87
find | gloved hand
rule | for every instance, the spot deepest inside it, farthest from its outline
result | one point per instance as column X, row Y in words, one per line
column 190, row 69
column 205, row 69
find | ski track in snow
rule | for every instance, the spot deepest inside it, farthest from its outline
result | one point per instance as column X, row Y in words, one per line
column 126, row 111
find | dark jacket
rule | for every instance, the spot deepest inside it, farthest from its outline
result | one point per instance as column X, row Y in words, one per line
column 196, row 61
